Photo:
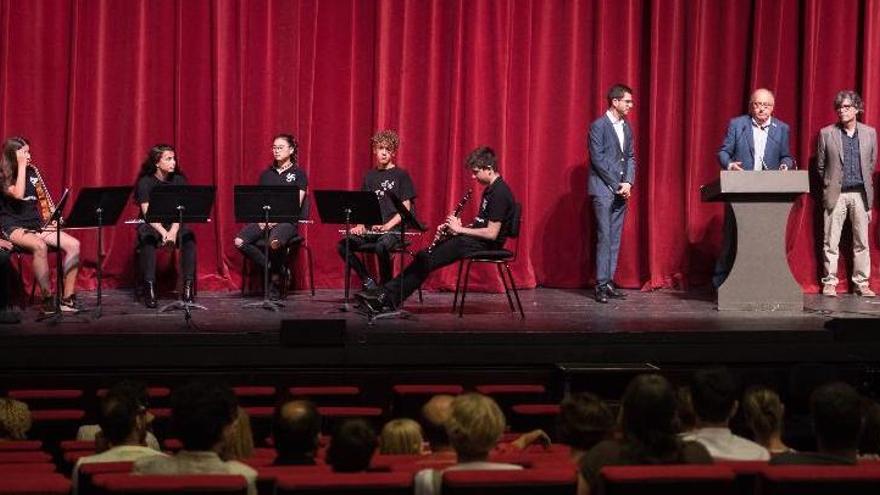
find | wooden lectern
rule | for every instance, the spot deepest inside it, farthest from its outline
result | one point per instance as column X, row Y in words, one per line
column 760, row 278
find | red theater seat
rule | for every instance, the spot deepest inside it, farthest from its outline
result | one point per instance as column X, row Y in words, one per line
column 38, row 484
column 345, row 484
column 863, row 479
column 509, row 389
column 680, row 479
column 325, row 391
column 203, row 484
column 525, row 482
column 25, row 457
column 71, row 445
column 18, row 445
column 37, row 467
column 87, row 472
column 267, row 475
column 32, row 395
column 427, row 389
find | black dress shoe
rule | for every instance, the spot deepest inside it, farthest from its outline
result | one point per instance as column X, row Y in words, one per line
column 150, row 294
column 613, row 292
column 601, row 294
column 187, row 291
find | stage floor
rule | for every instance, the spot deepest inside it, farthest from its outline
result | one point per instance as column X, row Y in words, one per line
column 561, row 326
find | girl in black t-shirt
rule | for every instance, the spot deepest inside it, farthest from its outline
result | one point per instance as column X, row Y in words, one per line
column 22, row 223
column 284, row 171
column 159, row 168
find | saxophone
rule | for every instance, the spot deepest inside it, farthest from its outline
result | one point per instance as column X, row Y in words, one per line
column 443, row 233
column 45, row 205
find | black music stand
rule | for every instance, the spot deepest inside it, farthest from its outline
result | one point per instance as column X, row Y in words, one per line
column 57, row 218
column 345, row 208
column 407, row 219
column 180, row 204
column 264, row 204
column 97, row 207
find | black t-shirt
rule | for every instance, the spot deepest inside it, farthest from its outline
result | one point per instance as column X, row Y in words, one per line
column 22, row 212
column 395, row 180
column 292, row 176
column 146, row 184
column 496, row 205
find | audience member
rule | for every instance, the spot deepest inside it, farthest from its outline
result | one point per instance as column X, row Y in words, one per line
column 123, row 423
column 15, row 419
column 435, row 414
column 135, row 389
column 239, row 443
column 296, row 427
column 714, row 393
column 474, row 427
column 686, row 417
column 401, row 436
column 352, row 446
column 764, row 413
column 869, row 443
column 837, row 423
column 201, row 415
column 583, row 421
column 648, row 434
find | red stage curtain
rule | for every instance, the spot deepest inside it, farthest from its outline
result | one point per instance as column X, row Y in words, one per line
column 94, row 84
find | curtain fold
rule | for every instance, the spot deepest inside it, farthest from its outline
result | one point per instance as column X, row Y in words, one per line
column 94, row 83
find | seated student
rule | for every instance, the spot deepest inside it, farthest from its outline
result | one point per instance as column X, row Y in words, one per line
column 15, row 419
column 352, row 446
column 284, row 171
column 435, row 413
column 385, row 178
column 202, row 416
column 24, row 208
column 489, row 230
column 648, row 434
column 837, row 423
column 239, row 442
column 6, row 316
column 296, row 426
column 714, row 393
column 160, row 167
column 401, row 436
column 764, row 413
column 123, row 421
column 474, row 427
column 136, row 389
column 869, row 444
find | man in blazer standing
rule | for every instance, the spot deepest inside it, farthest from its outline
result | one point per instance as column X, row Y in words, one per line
column 847, row 154
column 612, row 175
column 756, row 141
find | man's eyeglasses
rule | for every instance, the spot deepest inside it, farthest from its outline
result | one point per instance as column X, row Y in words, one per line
column 846, row 106
column 279, row 148
column 762, row 104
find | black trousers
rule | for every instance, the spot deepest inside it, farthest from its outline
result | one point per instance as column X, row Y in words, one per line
column 445, row 253
column 4, row 279
column 253, row 237
column 149, row 240
column 381, row 245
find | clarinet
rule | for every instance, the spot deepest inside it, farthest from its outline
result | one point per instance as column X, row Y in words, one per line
column 45, row 205
column 443, row 232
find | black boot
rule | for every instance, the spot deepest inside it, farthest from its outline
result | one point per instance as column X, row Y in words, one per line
column 150, row 294
column 187, row 291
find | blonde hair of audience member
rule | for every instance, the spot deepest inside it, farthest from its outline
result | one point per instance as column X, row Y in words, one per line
column 15, row 419
column 764, row 413
column 401, row 436
column 474, row 427
column 238, row 444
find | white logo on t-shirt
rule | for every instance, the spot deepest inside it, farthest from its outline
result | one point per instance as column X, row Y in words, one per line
column 384, row 186
column 290, row 177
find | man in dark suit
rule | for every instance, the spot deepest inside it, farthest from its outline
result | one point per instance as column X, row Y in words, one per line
column 845, row 161
column 612, row 175
column 755, row 141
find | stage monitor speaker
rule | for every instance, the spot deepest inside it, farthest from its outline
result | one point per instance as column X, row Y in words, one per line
column 312, row 332
column 854, row 329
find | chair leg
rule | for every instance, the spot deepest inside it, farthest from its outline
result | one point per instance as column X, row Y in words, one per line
column 22, row 304
column 311, row 268
column 506, row 287
column 457, row 286
column 467, row 277
column 245, row 278
column 522, row 314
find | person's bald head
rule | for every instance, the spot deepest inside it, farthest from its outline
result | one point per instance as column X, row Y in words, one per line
column 761, row 105
column 295, row 428
column 435, row 414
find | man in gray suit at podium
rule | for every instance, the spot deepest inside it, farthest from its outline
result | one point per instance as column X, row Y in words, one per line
column 755, row 141
column 845, row 161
